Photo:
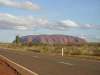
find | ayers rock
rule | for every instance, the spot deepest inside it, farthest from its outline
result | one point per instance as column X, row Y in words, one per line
column 51, row 39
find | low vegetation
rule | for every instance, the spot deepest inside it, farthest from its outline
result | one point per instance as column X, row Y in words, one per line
column 87, row 50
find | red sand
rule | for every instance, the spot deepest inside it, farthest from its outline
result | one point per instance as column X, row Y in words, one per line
column 6, row 69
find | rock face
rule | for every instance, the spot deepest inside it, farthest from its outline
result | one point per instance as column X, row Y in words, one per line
column 51, row 39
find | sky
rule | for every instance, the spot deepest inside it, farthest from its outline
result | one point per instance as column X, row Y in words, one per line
column 79, row 18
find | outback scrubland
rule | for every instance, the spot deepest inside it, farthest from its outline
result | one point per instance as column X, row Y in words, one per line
column 87, row 50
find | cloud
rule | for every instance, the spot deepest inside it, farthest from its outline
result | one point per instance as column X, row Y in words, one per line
column 88, row 26
column 94, row 38
column 67, row 23
column 81, row 36
column 21, row 5
column 97, row 37
column 10, row 22
column 89, row 37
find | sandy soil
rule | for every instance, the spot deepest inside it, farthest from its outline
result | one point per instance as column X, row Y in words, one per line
column 6, row 69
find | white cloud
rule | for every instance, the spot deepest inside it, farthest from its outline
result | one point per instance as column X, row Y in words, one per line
column 91, row 26
column 88, row 26
column 81, row 36
column 97, row 37
column 89, row 37
column 10, row 22
column 93, row 38
column 67, row 23
column 21, row 5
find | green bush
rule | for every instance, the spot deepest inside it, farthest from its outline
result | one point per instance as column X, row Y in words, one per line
column 76, row 52
column 96, row 52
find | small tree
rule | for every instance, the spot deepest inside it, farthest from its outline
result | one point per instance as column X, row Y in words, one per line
column 17, row 40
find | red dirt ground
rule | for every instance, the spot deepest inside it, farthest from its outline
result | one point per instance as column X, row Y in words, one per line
column 6, row 69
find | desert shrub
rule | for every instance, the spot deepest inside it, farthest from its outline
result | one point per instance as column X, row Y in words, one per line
column 96, row 52
column 25, row 44
column 76, row 52
column 36, row 50
column 69, row 48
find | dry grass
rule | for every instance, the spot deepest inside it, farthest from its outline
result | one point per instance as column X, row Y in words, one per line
column 84, row 50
